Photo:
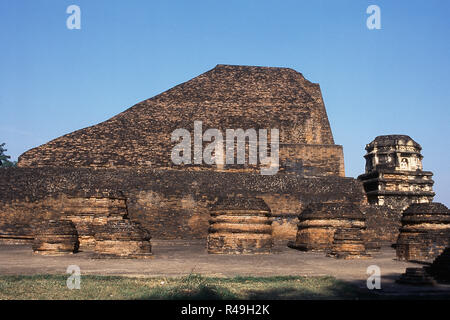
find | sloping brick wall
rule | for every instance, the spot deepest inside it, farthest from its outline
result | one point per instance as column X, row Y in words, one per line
column 226, row 97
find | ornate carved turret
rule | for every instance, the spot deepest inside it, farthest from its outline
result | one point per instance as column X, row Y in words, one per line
column 394, row 175
column 54, row 237
column 425, row 232
column 319, row 222
column 240, row 225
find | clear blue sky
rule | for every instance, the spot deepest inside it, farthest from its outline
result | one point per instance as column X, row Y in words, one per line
column 394, row 80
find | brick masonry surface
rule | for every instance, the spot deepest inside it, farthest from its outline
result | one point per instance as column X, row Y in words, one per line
column 169, row 203
column 226, row 97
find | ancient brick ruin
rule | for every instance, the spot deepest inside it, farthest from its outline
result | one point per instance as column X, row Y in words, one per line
column 319, row 222
column 393, row 180
column 348, row 243
column 169, row 204
column 394, row 175
column 425, row 232
column 440, row 268
column 55, row 237
column 240, row 225
column 89, row 212
column 122, row 239
column 416, row 277
column 110, row 176
column 129, row 154
column 436, row 272
column 226, row 97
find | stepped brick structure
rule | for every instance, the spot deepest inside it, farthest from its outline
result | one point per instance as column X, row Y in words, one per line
column 54, row 237
column 425, row 232
column 226, row 97
column 130, row 154
column 122, row 239
column 319, row 222
column 440, row 268
column 416, row 277
column 122, row 168
column 88, row 212
column 240, row 225
column 348, row 243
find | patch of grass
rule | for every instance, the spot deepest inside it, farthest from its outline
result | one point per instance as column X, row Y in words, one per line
column 190, row 287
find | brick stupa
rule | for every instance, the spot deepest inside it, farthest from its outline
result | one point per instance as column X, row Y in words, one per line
column 226, row 97
column 240, row 225
column 130, row 154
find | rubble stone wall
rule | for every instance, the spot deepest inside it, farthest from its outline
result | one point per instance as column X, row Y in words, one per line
column 382, row 225
column 170, row 204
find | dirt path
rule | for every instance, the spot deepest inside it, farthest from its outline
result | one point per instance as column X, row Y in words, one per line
column 177, row 258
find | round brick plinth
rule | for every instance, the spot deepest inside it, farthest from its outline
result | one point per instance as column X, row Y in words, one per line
column 319, row 221
column 88, row 211
column 55, row 237
column 240, row 225
column 348, row 244
column 122, row 239
column 425, row 232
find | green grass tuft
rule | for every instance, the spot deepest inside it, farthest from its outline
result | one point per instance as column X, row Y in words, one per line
column 191, row 287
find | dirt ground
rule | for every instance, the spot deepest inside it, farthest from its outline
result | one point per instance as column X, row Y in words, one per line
column 179, row 258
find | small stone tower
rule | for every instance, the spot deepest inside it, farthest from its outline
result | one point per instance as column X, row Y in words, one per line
column 394, row 175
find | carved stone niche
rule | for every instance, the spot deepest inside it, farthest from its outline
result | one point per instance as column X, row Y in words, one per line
column 395, row 152
column 240, row 225
column 122, row 239
column 425, row 232
column 319, row 222
column 55, row 237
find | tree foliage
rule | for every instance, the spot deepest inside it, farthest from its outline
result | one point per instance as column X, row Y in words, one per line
column 4, row 159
